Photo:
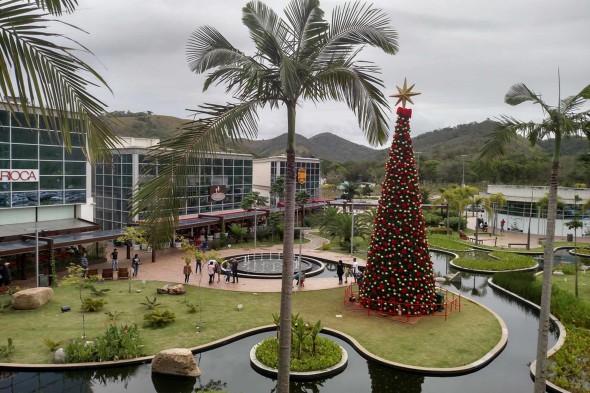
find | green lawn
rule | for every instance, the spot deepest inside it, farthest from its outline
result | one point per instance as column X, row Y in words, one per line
column 465, row 337
column 567, row 283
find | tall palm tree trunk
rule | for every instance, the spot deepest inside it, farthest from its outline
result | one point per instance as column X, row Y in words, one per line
column 543, row 334
column 287, row 281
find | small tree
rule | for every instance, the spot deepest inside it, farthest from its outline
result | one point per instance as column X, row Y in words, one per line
column 76, row 278
column 575, row 224
column 277, row 188
column 133, row 235
column 238, row 232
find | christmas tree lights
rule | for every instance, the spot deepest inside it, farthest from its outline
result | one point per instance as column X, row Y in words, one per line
column 398, row 277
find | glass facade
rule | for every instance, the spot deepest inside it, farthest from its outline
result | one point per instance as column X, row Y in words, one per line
column 278, row 168
column 114, row 184
column 62, row 173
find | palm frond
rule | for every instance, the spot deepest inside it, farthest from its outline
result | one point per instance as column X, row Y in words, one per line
column 308, row 24
column 356, row 85
column 358, row 24
column 495, row 146
column 57, row 7
column 174, row 161
column 51, row 77
column 571, row 104
column 207, row 49
column 520, row 93
column 269, row 33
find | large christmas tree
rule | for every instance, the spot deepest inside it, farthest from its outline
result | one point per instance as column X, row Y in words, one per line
column 399, row 277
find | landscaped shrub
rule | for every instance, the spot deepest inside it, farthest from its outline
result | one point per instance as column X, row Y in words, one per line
column 8, row 349
column 569, row 367
column 454, row 223
column 51, row 344
column 431, row 219
column 437, row 230
column 151, row 304
column 116, row 343
column 92, row 305
column 328, row 354
column 159, row 318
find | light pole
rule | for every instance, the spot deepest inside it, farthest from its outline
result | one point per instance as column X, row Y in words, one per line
column 352, row 228
column 417, row 159
column 36, row 229
column 255, row 222
column 301, row 229
column 463, row 178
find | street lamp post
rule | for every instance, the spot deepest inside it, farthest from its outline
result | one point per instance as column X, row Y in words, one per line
column 352, row 228
column 463, row 161
column 301, row 229
column 255, row 222
column 417, row 154
column 36, row 229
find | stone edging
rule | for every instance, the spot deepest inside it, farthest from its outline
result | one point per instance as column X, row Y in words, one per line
column 560, row 341
column 465, row 269
column 299, row 375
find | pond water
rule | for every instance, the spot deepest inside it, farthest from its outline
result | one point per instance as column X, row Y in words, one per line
column 230, row 366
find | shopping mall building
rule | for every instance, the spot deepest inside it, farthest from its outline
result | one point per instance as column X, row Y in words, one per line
column 52, row 199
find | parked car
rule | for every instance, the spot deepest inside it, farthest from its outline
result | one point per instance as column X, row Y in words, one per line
column 19, row 200
column 471, row 208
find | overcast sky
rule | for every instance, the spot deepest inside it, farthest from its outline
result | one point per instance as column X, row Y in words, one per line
column 463, row 55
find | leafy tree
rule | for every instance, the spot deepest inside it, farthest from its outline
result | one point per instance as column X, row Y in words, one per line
column 238, row 232
column 253, row 199
column 47, row 75
column 277, row 188
column 458, row 198
column 302, row 57
column 492, row 204
column 562, row 121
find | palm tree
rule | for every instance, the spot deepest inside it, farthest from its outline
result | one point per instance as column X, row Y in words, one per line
column 560, row 122
column 302, row 57
column 492, row 204
column 39, row 73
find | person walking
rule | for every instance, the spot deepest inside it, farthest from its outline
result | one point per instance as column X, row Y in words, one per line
column 199, row 267
column 84, row 264
column 187, row 270
column 211, row 271
column 340, row 271
column 5, row 276
column 135, row 262
column 218, row 271
column 234, row 270
column 115, row 260
column 346, row 274
column 355, row 268
column 227, row 271
column 502, row 223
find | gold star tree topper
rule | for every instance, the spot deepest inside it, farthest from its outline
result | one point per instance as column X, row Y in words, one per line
column 404, row 94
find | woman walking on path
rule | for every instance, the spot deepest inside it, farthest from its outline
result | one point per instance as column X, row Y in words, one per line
column 346, row 274
column 135, row 262
column 187, row 270
column 198, row 267
column 234, row 270
column 211, row 271
column 227, row 270
column 218, row 271
column 340, row 271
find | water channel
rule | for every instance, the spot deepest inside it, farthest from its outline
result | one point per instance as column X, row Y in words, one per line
column 230, row 366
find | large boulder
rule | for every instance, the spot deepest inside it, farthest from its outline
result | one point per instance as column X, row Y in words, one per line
column 177, row 290
column 176, row 361
column 32, row 298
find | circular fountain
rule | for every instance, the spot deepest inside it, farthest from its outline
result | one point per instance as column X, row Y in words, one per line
column 270, row 265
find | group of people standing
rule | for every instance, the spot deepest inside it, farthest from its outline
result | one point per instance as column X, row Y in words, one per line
column 345, row 271
column 229, row 268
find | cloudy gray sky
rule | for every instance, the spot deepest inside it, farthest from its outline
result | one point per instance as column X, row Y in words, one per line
column 463, row 55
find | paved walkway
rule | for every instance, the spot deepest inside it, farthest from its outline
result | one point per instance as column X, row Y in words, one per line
column 169, row 264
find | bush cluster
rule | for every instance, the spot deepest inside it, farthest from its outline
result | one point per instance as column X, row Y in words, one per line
column 328, row 354
column 116, row 343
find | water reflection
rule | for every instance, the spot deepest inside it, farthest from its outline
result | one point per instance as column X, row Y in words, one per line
column 384, row 379
column 229, row 368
